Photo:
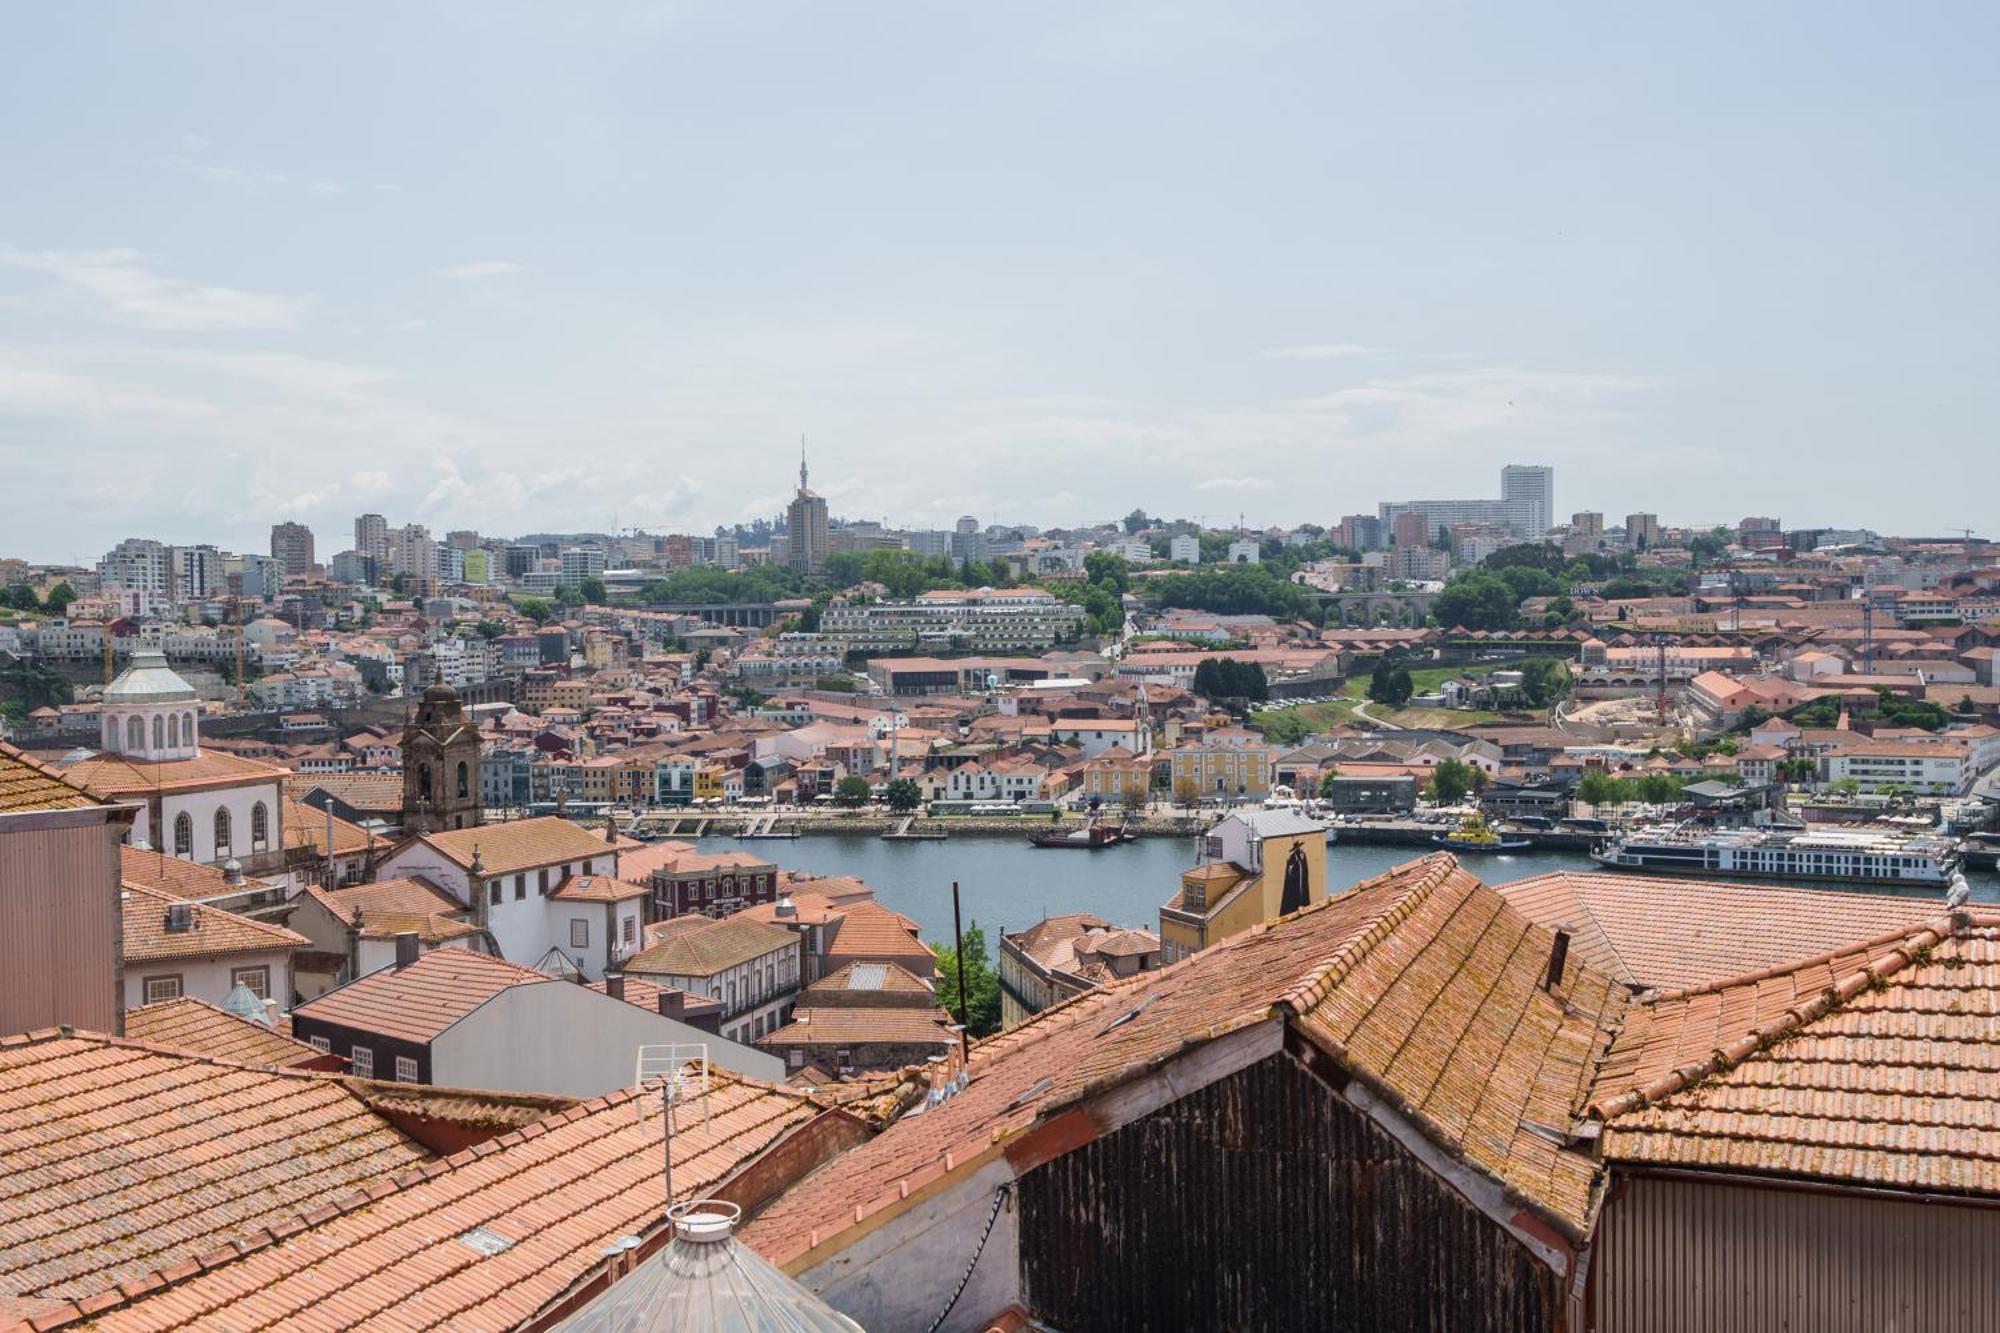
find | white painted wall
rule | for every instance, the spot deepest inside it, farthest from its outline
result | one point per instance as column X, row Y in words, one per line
column 563, row 1038
column 208, row 978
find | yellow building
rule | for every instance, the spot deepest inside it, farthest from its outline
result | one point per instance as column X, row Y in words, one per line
column 1116, row 774
column 708, row 782
column 1228, row 772
column 1256, row 865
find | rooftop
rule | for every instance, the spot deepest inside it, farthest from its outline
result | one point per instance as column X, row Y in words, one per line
column 118, row 1159
column 717, row 946
column 1871, row 1064
column 418, row 1002
column 199, row 1028
column 1669, row 932
column 26, row 784
column 211, row 931
column 522, row 844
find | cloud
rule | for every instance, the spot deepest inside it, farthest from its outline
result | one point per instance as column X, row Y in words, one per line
column 136, row 296
column 479, row 268
column 1234, row 484
column 1320, row 352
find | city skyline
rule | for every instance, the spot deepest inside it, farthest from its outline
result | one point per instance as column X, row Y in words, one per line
column 1162, row 260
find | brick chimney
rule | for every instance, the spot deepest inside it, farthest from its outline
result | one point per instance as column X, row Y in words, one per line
column 614, row 985
column 408, row 950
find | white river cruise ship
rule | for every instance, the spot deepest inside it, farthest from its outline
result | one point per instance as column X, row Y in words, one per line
column 1856, row 855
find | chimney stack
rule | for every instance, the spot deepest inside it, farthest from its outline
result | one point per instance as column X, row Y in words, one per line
column 1558, row 956
column 407, row 948
column 614, row 985
column 673, row 1004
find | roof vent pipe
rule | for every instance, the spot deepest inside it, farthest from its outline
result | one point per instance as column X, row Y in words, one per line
column 1558, row 957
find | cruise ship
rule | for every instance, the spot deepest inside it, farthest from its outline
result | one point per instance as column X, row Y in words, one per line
column 1858, row 856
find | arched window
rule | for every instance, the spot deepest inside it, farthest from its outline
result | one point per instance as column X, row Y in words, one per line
column 183, row 835
column 463, row 779
column 159, row 732
column 424, row 784
column 135, row 735
column 187, row 729
column 173, row 730
column 111, row 734
column 221, row 832
column 260, row 827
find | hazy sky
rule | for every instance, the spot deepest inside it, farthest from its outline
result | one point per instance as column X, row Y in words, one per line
column 551, row 266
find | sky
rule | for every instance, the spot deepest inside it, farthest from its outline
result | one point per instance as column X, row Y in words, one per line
column 534, row 267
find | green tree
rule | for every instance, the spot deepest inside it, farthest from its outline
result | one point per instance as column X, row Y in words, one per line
column 1477, row 600
column 536, row 609
column 1451, row 779
column 30, row 685
column 851, row 791
column 59, row 598
column 1543, row 682
column 843, row 568
column 1597, row 788
column 489, row 629
column 1326, row 781
column 981, row 1014
column 593, row 591
column 1390, row 684
column 903, row 795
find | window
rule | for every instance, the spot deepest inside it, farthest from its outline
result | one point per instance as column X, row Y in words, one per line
column 542, row 881
column 159, row 732
column 406, row 1069
column 173, row 729
column 631, row 929
column 520, row 887
column 184, row 835
column 222, row 832
column 258, row 979
column 162, row 988
column 579, row 933
column 493, row 893
column 260, row 827
column 462, row 778
column 187, row 728
column 362, row 1061
column 320, row 1043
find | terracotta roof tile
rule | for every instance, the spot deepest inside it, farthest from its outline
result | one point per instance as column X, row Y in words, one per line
column 149, row 869
column 417, row 1002
column 558, row 1189
column 118, row 1159
column 851, row 1025
column 597, row 889
column 701, row 950
column 26, row 784
column 116, row 775
column 520, row 845
column 212, row 932
column 199, row 1028
column 1873, row 1064
column 1666, row 932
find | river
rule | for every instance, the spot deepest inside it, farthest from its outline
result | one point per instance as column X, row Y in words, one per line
column 1006, row 885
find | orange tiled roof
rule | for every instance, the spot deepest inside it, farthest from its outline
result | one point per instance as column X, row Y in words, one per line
column 521, row 844
column 306, row 827
column 857, row 983
column 28, row 785
column 1871, row 1065
column 116, row 775
column 146, row 868
column 371, row 792
column 213, row 932
column 556, row 1191
column 853, row 1025
column 705, row 949
column 870, row 930
column 405, row 896
column 1421, row 981
column 646, row 995
column 118, row 1159
column 596, row 889
column 1669, row 933
column 199, row 1028
column 417, row 1002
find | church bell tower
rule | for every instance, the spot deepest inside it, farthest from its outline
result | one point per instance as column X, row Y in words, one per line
column 440, row 765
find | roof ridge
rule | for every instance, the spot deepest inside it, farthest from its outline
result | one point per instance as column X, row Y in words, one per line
column 1439, row 866
column 1944, row 926
column 1843, row 988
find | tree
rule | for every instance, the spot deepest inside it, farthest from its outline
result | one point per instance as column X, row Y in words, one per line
column 1228, row 679
column 1326, row 783
column 1477, row 600
column 982, row 983
column 1390, row 684
column 1597, row 788
column 903, row 795
column 843, row 568
column 593, row 591
column 1542, row 681
column 534, row 608
column 1186, row 793
column 59, row 598
column 851, row 791
column 1451, row 779
column 489, row 629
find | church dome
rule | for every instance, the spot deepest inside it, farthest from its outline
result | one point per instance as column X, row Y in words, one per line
column 148, row 680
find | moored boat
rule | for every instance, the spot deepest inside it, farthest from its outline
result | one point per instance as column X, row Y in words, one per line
column 1853, row 855
column 1474, row 835
column 1089, row 837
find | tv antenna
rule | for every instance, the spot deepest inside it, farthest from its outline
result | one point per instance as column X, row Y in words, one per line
column 678, row 1074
